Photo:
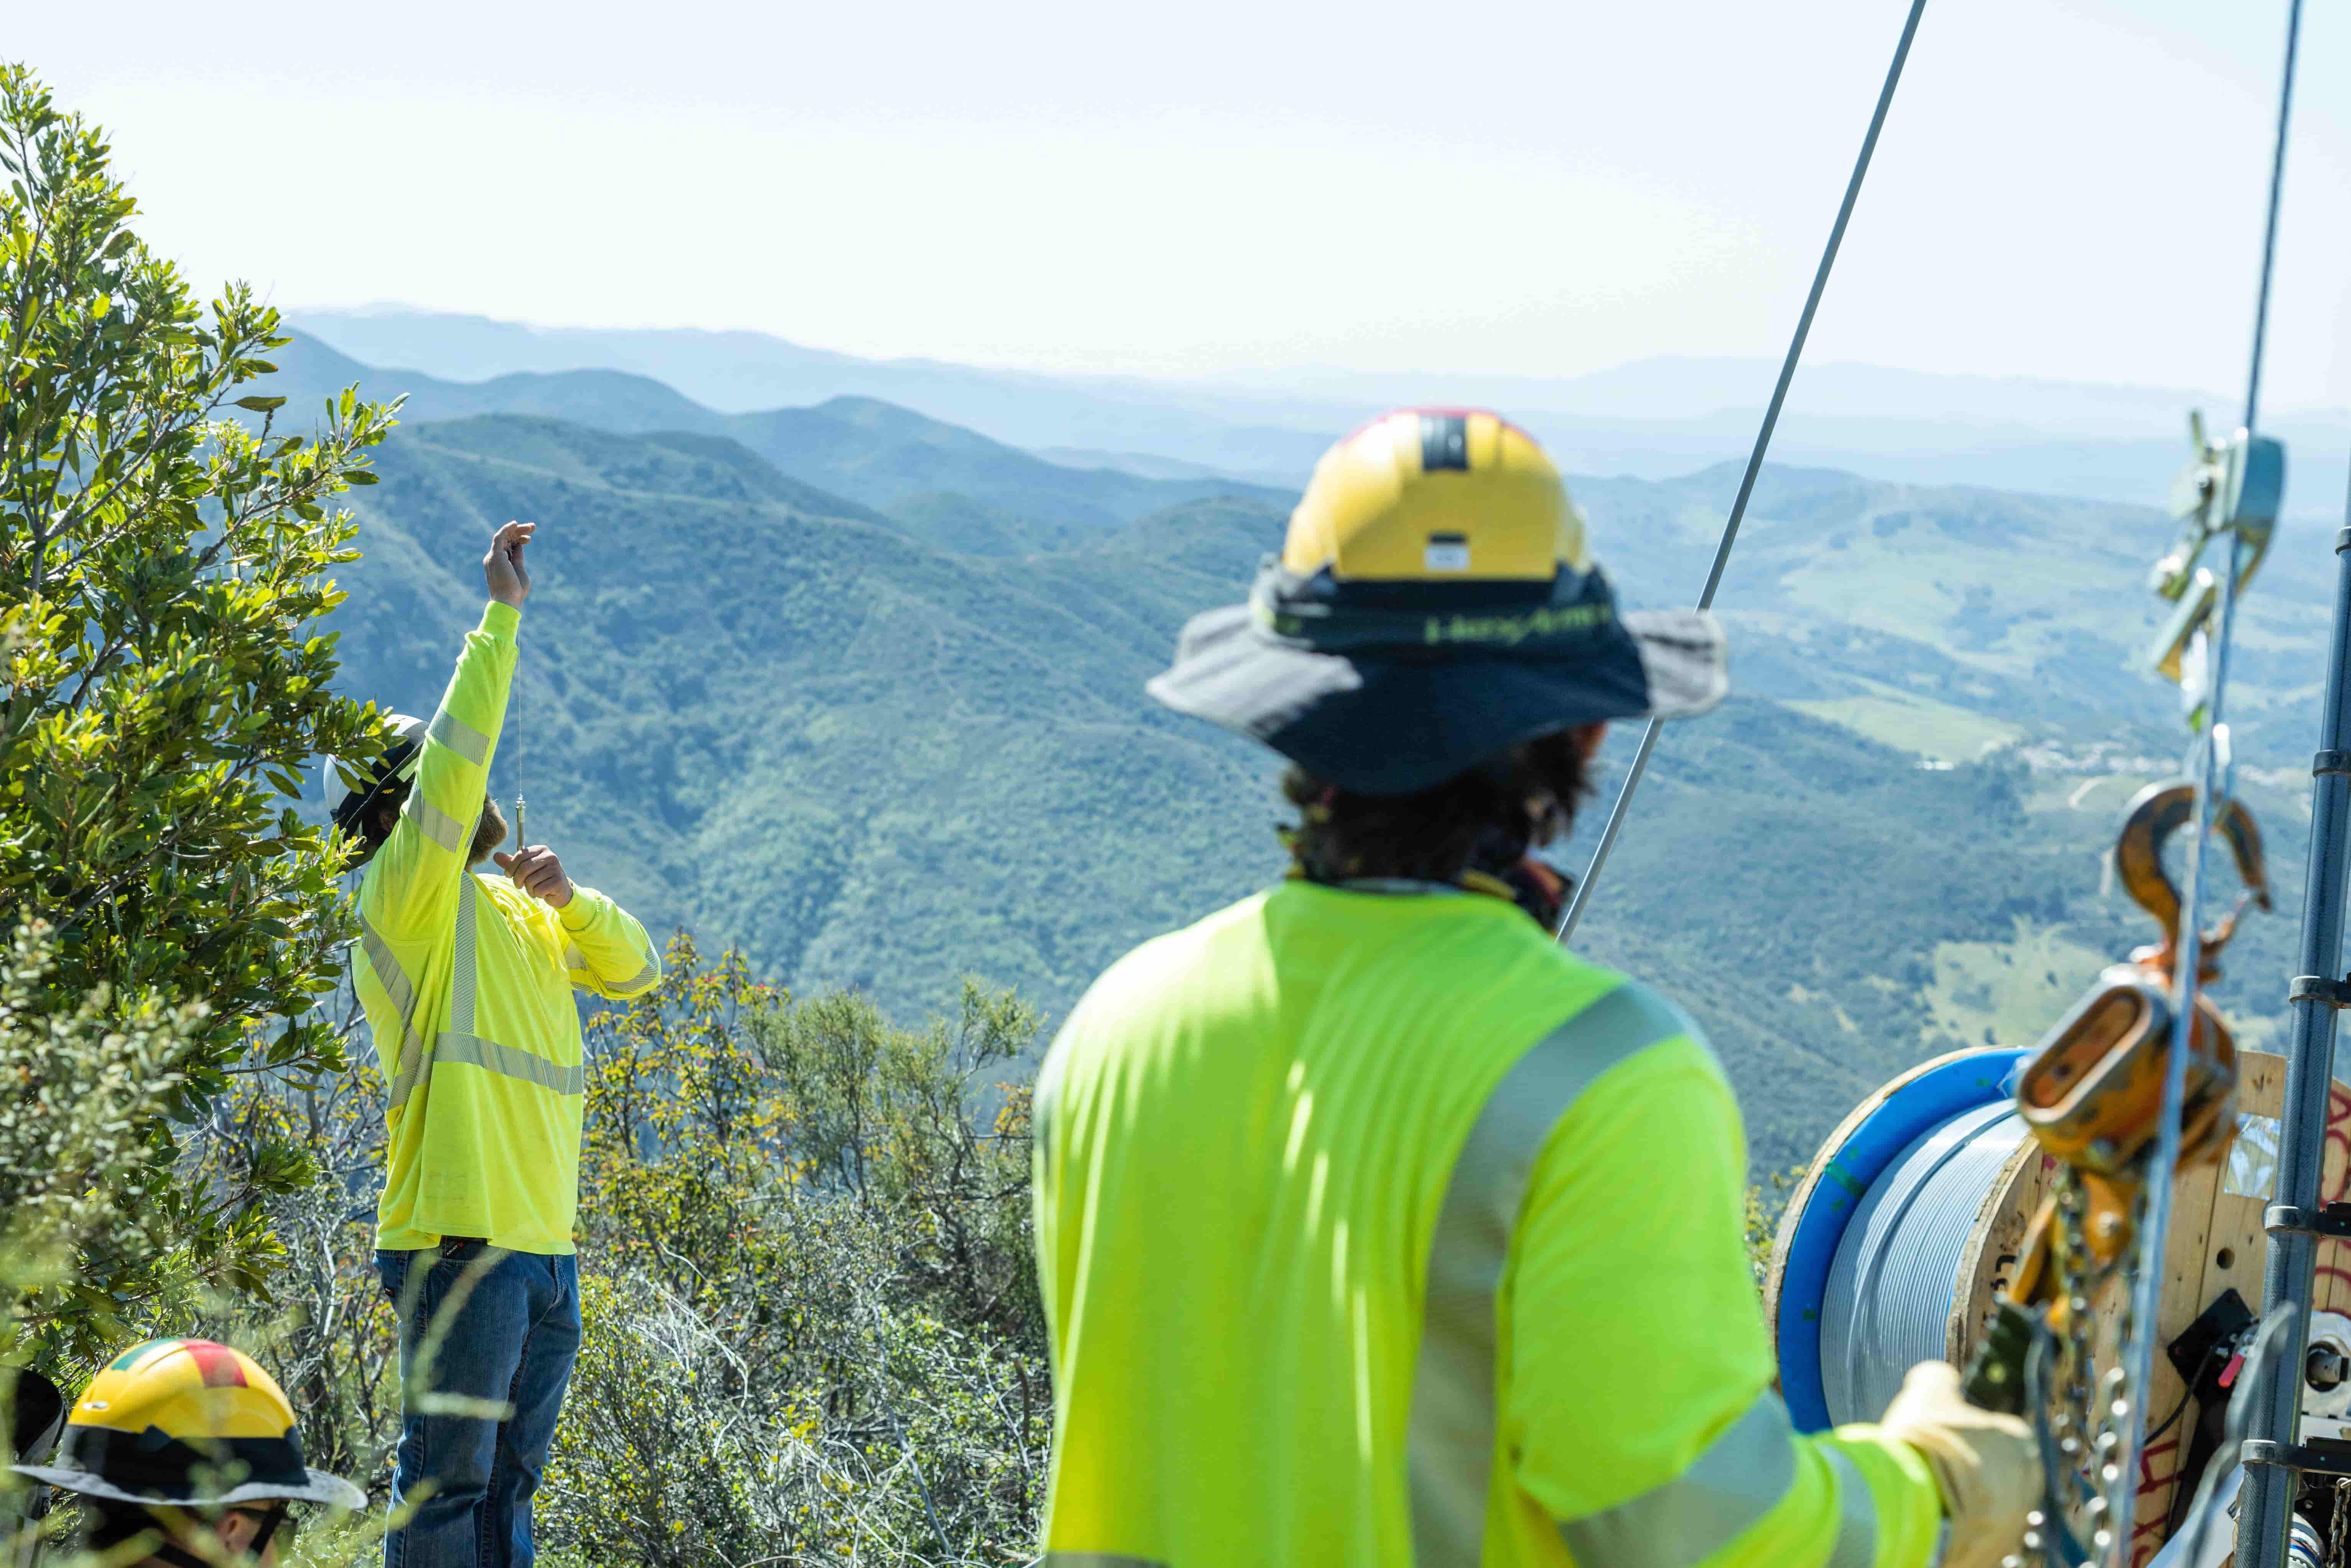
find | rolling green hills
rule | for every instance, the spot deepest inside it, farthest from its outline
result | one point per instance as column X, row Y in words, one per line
column 792, row 720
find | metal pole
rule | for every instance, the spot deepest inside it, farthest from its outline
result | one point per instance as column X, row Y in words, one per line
column 2309, row 1074
column 1755, row 459
column 2269, row 1491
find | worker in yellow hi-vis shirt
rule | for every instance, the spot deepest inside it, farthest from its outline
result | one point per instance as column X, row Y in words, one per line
column 1374, row 1227
column 467, row 982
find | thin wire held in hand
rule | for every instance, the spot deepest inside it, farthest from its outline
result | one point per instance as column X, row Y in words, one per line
column 1755, row 460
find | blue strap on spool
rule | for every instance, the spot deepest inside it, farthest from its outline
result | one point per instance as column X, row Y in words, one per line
column 1934, row 1096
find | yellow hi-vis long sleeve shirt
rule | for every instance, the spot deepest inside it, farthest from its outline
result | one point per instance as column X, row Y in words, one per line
column 467, row 983
column 1374, row 1229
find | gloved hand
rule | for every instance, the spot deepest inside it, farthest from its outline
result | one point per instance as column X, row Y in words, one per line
column 1987, row 1465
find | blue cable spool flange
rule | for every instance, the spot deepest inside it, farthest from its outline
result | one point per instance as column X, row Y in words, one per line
column 1822, row 1209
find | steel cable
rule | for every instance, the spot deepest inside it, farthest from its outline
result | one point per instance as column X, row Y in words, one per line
column 1755, row 459
column 1888, row 1302
column 2211, row 767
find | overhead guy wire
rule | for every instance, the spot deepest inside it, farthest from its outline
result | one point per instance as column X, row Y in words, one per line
column 1755, row 460
column 2269, row 1491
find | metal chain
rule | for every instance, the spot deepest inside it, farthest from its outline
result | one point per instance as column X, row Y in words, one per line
column 2117, row 1466
column 2069, row 1418
column 2090, row 1412
column 2340, row 1526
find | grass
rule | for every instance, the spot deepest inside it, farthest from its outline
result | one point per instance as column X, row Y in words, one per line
column 2009, row 993
column 1937, row 730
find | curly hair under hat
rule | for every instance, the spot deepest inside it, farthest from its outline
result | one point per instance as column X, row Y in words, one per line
column 1481, row 821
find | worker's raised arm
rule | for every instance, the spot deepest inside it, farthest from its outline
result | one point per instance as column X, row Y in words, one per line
column 605, row 951
column 1639, row 1402
column 414, row 877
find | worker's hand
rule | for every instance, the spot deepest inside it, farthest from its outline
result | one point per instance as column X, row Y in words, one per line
column 1988, row 1465
column 537, row 872
column 503, row 572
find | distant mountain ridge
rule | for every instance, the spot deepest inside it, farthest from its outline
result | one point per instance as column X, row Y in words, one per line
column 1652, row 419
column 941, row 481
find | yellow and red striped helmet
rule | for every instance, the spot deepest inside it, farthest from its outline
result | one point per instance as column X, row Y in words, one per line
column 190, row 1422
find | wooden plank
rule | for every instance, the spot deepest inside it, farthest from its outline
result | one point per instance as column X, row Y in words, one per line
column 2187, row 1268
column 2331, row 1290
column 2237, row 1245
column 1993, row 1248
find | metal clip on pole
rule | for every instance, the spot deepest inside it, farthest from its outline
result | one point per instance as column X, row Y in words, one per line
column 2234, row 489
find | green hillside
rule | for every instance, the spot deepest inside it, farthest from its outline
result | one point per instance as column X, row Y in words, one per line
column 866, row 759
column 789, row 722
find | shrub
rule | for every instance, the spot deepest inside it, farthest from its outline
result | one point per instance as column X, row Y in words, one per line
column 811, row 1320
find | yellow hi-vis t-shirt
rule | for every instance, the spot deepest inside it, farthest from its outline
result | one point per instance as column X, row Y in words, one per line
column 467, row 983
column 1374, row 1229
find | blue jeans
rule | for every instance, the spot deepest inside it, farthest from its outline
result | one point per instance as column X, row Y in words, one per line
column 510, row 1340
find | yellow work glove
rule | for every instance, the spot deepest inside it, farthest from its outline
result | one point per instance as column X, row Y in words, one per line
column 1987, row 1465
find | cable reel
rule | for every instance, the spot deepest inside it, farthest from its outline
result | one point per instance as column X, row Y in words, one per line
column 2092, row 1096
column 2135, row 1085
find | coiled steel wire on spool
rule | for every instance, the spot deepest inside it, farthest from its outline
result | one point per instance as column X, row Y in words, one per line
column 1895, row 1280
column 1882, row 1135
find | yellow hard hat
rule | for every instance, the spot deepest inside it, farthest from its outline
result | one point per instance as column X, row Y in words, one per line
column 1436, row 495
column 1435, row 603
column 188, row 1423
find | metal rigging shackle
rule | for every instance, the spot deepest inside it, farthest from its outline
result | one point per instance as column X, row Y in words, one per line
column 2155, row 814
column 2233, row 489
column 2093, row 1090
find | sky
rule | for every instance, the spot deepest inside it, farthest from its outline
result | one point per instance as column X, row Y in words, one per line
column 2066, row 189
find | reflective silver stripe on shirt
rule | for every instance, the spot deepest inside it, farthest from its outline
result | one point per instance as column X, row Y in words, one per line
column 396, row 985
column 573, row 958
column 640, row 980
column 462, row 990
column 1725, row 1492
column 461, row 737
column 1856, row 1542
column 509, row 1062
column 1453, row 1418
column 436, row 824
column 1094, row 1560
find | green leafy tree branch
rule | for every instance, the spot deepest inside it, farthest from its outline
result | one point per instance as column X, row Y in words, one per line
column 165, row 553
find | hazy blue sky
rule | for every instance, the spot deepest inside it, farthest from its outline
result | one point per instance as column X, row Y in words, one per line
column 2068, row 188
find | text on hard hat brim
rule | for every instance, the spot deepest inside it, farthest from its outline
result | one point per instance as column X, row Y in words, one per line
column 1394, row 724
column 321, row 1488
